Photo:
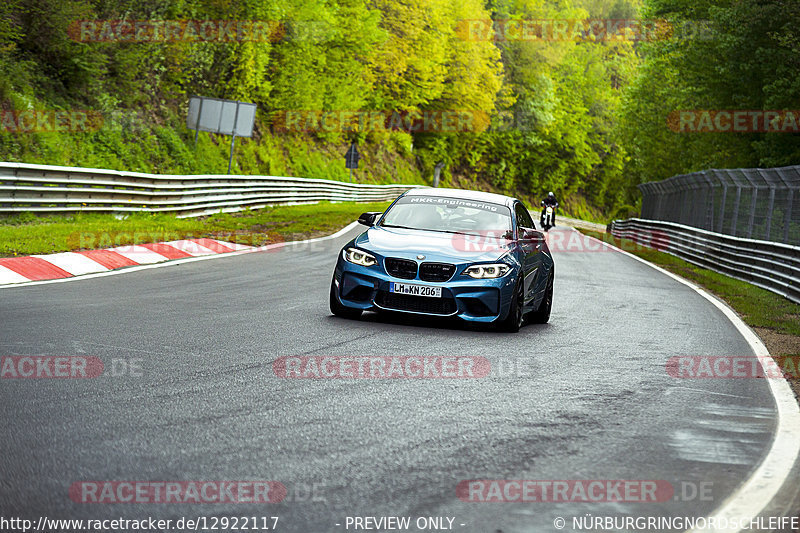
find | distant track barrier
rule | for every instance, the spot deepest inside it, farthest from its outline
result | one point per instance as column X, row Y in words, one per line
column 754, row 203
column 47, row 189
column 771, row 265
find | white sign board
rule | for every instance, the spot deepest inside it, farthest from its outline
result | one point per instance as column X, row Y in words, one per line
column 228, row 117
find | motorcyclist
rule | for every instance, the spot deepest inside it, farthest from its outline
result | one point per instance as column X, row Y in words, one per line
column 549, row 201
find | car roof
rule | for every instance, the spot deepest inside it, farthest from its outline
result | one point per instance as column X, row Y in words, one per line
column 464, row 194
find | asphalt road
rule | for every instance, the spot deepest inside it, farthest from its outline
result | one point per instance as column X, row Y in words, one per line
column 584, row 397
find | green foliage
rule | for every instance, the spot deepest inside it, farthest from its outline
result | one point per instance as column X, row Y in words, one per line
column 552, row 108
column 745, row 58
column 556, row 128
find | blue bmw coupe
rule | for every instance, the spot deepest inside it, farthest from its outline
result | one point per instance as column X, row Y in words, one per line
column 448, row 253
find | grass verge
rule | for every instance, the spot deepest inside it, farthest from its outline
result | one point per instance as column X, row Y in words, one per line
column 775, row 319
column 27, row 234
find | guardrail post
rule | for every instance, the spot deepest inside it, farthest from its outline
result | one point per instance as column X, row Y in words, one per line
column 705, row 208
column 709, row 222
column 655, row 202
column 735, row 217
column 769, row 212
column 788, row 218
column 685, row 208
column 437, row 170
column 752, row 212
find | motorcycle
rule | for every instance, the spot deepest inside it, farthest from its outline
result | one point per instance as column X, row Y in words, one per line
column 548, row 218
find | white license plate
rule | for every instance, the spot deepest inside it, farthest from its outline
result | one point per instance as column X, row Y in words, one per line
column 415, row 290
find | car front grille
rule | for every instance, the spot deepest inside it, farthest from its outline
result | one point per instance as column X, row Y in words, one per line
column 401, row 268
column 417, row 304
column 436, row 271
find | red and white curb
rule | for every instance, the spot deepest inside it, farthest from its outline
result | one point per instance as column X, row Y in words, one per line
column 71, row 264
column 195, row 250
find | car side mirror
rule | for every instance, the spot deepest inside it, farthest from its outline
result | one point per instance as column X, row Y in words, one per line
column 530, row 235
column 369, row 218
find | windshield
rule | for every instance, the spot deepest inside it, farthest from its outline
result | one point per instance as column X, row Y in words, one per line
column 450, row 215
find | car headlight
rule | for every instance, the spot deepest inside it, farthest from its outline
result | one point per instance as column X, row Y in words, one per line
column 360, row 257
column 496, row 270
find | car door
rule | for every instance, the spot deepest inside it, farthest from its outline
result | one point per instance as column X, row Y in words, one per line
column 530, row 243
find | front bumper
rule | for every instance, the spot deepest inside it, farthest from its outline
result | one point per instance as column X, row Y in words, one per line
column 474, row 300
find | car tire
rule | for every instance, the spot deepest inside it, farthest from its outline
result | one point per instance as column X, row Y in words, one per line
column 516, row 317
column 542, row 315
column 337, row 308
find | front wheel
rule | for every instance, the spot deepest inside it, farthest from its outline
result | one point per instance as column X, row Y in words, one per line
column 515, row 317
column 337, row 308
column 542, row 315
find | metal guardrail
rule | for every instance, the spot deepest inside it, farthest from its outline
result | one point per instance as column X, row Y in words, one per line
column 769, row 265
column 52, row 189
column 755, row 203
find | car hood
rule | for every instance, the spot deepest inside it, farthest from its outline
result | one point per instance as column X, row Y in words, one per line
column 436, row 246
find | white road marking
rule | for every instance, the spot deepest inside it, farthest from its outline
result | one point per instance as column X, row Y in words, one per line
column 75, row 264
column 190, row 247
column 139, row 254
column 757, row 492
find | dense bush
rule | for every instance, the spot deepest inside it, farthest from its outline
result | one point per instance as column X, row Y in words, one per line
column 586, row 119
